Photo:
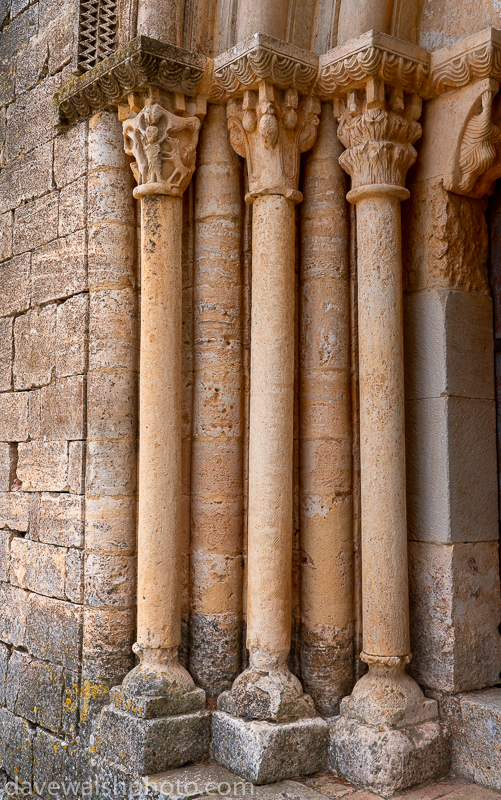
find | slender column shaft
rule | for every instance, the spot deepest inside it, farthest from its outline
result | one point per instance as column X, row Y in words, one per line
column 217, row 470
column 271, row 431
column 325, row 427
column 159, row 522
column 161, row 20
column 382, row 429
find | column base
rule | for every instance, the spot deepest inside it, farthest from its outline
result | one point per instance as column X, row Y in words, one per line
column 267, row 752
column 390, row 760
column 148, row 746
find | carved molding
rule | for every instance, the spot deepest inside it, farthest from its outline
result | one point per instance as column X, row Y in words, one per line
column 164, row 146
column 141, row 63
column 261, row 58
column 346, row 68
column 472, row 59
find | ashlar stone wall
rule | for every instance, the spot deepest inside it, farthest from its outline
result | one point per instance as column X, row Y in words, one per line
column 68, row 403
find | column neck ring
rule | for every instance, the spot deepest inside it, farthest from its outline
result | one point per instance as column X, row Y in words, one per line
column 377, row 190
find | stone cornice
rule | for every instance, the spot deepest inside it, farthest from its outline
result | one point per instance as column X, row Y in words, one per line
column 474, row 58
column 400, row 64
column 141, row 63
column 263, row 58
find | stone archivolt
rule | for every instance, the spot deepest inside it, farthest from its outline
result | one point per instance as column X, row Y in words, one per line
column 164, row 146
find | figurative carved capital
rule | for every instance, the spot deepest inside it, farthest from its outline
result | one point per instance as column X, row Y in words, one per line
column 378, row 128
column 270, row 129
column 164, row 146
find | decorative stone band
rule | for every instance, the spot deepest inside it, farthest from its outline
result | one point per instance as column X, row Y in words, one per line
column 141, row 63
column 263, row 58
column 401, row 65
column 471, row 59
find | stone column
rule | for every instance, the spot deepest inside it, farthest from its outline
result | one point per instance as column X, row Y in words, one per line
column 271, row 123
column 378, row 113
column 325, row 427
column 163, row 141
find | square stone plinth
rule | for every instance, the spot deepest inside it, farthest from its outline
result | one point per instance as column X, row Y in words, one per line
column 388, row 761
column 266, row 752
column 147, row 746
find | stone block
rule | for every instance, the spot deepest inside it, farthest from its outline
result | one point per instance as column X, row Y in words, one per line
column 5, row 541
column 29, row 177
column 111, row 468
column 13, row 614
column 15, row 511
column 147, row 746
column 43, row 466
column 34, row 347
column 62, row 409
column 74, row 586
column 110, row 581
column 455, row 613
column 388, row 761
column 38, row 567
column 34, row 408
column 15, row 280
column 110, row 196
column 111, row 255
column 6, row 236
column 70, row 154
column 5, row 466
column 72, row 204
column 54, row 631
column 113, row 330
column 60, row 520
column 55, row 762
column 36, row 223
column 110, row 524
column 451, row 470
column 29, row 68
column 76, row 467
column 16, row 746
column 6, row 354
column 42, row 693
column 71, row 336
column 4, row 662
column 30, row 119
column 476, row 730
column 112, row 405
column 265, row 752
column 107, row 643
column 448, row 345
column 58, row 269
column 14, row 416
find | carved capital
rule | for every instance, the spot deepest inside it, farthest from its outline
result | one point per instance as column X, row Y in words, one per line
column 375, row 82
column 378, row 129
column 164, row 146
column 464, row 114
column 270, row 129
column 272, row 119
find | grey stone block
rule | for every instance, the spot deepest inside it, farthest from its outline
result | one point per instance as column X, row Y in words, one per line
column 388, row 761
column 147, row 746
column 16, row 746
column 266, row 752
column 475, row 722
column 56, row 762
